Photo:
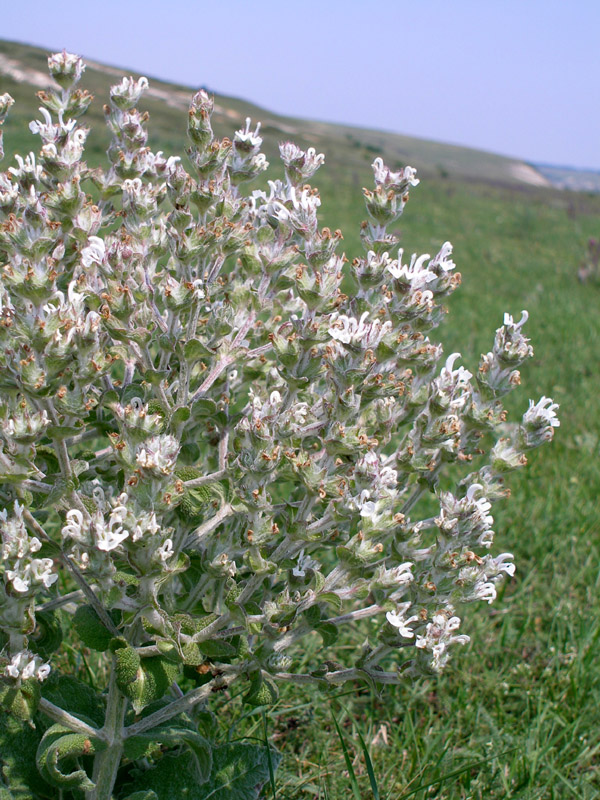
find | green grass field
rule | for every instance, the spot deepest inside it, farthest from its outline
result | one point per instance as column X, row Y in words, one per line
column 517, row 714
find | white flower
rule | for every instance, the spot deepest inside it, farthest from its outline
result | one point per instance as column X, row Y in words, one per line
column 501, row 563
column 66, row 64
column 25, row 665
column 349, row 330
column 304, row 563
column 414, row 273
column 27, row 167
column 398, row 620
column 371, row 467
column 127, row 93
column 48, row 130
column 37, row 570
column 453, row 385
column 367, row 507
column 384, row 175
column 515, row 326
column 301, row 164
column 74, row 529
column 108, row 536
column 484, row 590
column 159, row 454
column 458, row 378
column 299, row 412
column 439, row 635
column 146, row 525
column 247, row 138
column 165, row 551
column 441, row 260
column 402, row 573
column 541, row 414
column 94, row 252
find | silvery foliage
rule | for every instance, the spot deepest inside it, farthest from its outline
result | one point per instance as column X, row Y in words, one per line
column 220, row 450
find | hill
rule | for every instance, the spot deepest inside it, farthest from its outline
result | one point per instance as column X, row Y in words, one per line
column 23, row 71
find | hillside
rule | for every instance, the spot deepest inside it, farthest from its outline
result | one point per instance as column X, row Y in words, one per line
column 349, row 149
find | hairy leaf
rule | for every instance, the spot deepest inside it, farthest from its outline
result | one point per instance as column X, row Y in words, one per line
column 239, row 772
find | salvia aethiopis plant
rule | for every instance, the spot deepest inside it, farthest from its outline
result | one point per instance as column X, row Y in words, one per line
column 216, row 438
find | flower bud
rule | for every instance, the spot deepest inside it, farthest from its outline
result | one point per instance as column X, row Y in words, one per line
column 66, row 68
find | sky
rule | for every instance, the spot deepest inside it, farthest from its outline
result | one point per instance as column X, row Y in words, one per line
column 515, row 77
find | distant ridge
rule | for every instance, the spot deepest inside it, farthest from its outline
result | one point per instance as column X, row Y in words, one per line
column 572, row 178
column 23, row 72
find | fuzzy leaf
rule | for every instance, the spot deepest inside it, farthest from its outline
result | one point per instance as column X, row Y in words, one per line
column 21, row 702
column 143, row 680
column 262, row 692
column 217, row 649
column 329, row 633
column 198, row 746
column 90, row 628
column 59, row 749
column 18, row 745
column 75, row 697
column 181, row 414
column 48, row 634
column 239, row 772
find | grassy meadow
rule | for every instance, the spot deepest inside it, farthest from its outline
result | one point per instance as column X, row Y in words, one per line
column 517, row 714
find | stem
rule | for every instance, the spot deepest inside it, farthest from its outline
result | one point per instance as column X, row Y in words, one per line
column 107, row 762
column 180, row 706
column 77, row 575
column 338, row 676
column 208, row 526
column 37, row 486
column 212, row 377
column 211, row 478
column 68, row 720
column 258, row 351
column 62, row 600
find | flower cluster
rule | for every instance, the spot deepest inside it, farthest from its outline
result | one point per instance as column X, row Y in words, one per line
column 228, row 432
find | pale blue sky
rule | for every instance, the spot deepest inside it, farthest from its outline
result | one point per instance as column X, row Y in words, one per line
column 517, row 77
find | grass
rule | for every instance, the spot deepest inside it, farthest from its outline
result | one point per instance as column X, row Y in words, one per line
column 517, row 714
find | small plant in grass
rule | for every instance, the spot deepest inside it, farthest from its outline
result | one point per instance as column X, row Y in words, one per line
column 218, row 438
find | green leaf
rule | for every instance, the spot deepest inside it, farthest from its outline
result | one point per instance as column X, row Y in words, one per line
column 21, row 702
column 329, row 633
column 59, row 432
column 181, row 414
column 199, row 747
column 59, row 749
column 239, row 772
column 262, row 692
column 58, row 490
column 145, row 794
column 90, row 628
column 143, row 680
column 75, row 697
column 18, row 745
column 332, row 599
column 130, row 391
column 194, row 350
column 217, row 649
column 47, row 637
